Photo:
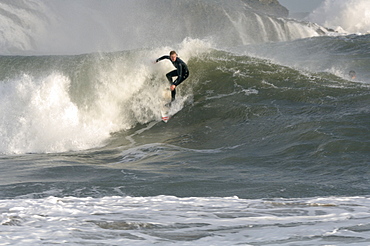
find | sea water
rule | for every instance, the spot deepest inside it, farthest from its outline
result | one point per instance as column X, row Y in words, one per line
column 268, row 144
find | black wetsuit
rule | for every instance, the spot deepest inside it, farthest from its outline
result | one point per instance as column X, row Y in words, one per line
column 182, row 72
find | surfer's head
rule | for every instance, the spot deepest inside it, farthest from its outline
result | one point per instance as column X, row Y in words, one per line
column 352, row 74
column 173, row 55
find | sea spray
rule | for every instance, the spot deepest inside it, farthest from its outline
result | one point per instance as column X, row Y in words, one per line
column 350, row 16
column 39, row 116
column 21, row 22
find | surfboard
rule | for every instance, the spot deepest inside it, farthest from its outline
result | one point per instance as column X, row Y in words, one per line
column 166, row 105
column 165, row 114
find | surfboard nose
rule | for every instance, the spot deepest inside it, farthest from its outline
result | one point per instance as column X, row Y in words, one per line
column 165, row 118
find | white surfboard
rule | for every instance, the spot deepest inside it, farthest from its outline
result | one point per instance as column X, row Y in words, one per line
column 165, row 114
column 165, row 109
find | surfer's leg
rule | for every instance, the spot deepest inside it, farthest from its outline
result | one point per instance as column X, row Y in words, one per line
column 173, row 95
column 170, row 75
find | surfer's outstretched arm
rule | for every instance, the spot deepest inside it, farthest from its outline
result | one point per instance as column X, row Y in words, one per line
column 162, row 58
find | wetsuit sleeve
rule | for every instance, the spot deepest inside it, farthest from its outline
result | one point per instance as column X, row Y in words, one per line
column 162, row 57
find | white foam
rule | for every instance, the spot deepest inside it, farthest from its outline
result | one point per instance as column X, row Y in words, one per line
column 38, row 115
column 187, row 221
column 351, row 16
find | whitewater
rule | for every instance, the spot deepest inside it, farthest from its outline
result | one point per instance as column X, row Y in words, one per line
column 268, row 143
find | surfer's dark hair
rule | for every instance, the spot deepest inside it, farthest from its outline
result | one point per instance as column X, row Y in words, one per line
column 173, row 53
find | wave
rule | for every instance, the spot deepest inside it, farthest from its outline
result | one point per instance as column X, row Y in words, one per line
column 70, row 27
column 337, row 55
column 62, row 103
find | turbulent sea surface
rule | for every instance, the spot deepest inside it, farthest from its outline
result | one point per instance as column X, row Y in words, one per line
column 269, row 142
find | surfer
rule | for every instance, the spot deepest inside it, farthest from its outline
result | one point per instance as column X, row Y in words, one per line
column 181, row 71
column 352, row 74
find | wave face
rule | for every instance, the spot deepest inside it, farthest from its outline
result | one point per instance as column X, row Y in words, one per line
column 70, row 27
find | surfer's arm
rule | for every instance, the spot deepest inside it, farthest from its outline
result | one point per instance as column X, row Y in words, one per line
column 161, row 58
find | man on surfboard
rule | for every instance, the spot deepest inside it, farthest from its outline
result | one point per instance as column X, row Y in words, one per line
column 181, row 71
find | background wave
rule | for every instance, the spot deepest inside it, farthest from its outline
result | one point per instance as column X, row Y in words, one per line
column 70, row 27
column 351, row 16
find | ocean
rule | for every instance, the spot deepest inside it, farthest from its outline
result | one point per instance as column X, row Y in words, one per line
column 268, row 143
